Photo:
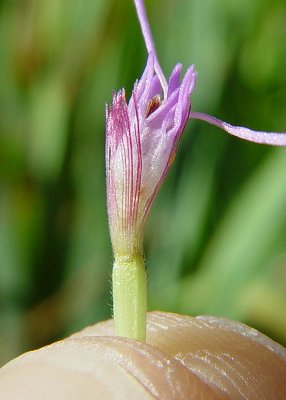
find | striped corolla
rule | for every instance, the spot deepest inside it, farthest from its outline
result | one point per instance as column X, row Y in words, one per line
column 141, row 141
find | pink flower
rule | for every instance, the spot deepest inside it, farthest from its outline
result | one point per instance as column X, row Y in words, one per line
column 142, row 139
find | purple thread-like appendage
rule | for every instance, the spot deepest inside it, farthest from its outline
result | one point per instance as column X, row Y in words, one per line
column 269, row 138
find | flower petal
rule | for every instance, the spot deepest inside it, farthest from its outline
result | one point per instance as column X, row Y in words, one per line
column 270, row 138
column 183, row 104
column 174, row 81
column 146, row 76
column 155, row 87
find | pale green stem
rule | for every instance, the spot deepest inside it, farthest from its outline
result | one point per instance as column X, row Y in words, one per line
column 130, row 297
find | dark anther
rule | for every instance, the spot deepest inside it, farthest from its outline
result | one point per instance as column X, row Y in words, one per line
column 152, row 105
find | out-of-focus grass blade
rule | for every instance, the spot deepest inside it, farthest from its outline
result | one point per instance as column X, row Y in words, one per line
column 237, row 252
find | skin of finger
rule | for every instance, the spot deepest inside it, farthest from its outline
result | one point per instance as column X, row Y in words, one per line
column 234, row 360
column 97, row 367
column 226, row 354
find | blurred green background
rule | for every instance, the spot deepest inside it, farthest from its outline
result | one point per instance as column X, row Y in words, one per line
column 216, row 237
